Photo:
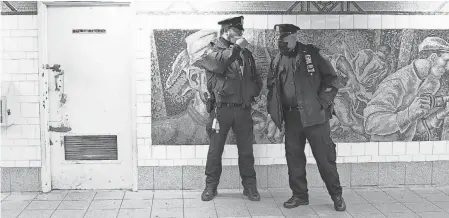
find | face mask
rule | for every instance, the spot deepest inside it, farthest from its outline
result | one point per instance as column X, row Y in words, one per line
column 283, row 46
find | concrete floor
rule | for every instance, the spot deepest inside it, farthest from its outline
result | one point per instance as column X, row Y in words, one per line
column 407, row 202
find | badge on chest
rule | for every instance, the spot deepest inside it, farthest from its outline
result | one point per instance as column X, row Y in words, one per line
column 309, row 63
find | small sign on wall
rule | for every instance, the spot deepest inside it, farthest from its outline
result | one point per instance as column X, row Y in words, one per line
column 89, row 31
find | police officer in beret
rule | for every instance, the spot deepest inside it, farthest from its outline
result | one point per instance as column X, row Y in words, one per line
column 302, row 85
column 233, row 83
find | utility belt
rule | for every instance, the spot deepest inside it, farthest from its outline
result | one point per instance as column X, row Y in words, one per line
column 225, row 104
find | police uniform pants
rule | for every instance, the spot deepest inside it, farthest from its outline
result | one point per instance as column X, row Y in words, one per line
column 323, row 149
column 241, row 122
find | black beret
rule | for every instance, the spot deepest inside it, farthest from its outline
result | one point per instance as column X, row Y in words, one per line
column 236, row 22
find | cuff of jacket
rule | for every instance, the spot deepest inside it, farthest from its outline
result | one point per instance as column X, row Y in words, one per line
column 403, row 120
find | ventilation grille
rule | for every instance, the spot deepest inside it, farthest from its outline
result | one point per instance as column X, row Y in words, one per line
column 91, row 147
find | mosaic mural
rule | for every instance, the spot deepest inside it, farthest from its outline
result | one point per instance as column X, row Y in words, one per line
column 387, row 77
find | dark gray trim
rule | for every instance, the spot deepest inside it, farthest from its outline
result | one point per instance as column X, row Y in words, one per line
column 10, row 6
column 292, row 6
column 292, row 13
column 19, row 13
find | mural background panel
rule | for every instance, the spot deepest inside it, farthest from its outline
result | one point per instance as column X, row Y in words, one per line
column 179, row 115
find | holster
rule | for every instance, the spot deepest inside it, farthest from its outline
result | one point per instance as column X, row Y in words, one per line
column 210, row 103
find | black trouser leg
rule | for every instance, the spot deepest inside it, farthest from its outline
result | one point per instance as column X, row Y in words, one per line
column 323, row 149
column 217, row 142
column 243, row 129
column 295, row 142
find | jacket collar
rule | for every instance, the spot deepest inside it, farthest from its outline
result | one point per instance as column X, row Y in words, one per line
column 222, row 43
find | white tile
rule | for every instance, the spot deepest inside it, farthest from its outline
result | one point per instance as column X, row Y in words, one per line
column 318, row 21
column 248, row 22
column 442, row 25
column 28, row 66
column 385, row 148
column 260, row 150
column 332, row 22
column 406, row 158
column 195, row 162
column 310, row 160
column 166, row 163
column 148, row 163
column 173, row 152
column 350, row 159
column 187, row 151
column 399, row 148
column 10, row 22
column 388, row 21
column 360, row 21
column 344, row 149
column 144, row 152
column 261, row 22
column 10, row 44
column 159, row 151
column 372, row 148
column 275, row 150
column 226, row 162
column 357, row 149
column 439, row 147
column 291, row 19
column 180, row 162
column 230, row 151
column 418, row 22
column 340, row 160
column 308, row 150
column 346, row 21
column 266, row 161
column 443, row 157
column 201, row 151
column 34, row 142
column 431, row 157
column 280, row 160
column 143, row 130
column 35, row 163
column 380, row 159
column 419, row 157
column 142, row 87
column 273, row 20
column 391, row 158
column 25, row 44
column 412, row 148
column 27, row 22
column 234, row 162
column 140, row 142
column 374, row 21
column 29, row 109
column 364, row 159
column 23, row 33
column 426, row 147
column 303, row 21
column 10, row 66
column 402, row 22
column 143, row 109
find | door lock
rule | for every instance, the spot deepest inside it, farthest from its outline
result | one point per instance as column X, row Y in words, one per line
column 55, row 67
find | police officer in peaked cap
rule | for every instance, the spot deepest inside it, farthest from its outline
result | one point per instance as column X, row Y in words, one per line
column 233, row 83
column 302, row 85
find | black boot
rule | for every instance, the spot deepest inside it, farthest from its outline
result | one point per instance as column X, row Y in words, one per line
column 252, row 193
column 208, row 194
column 295, row 202
column 339, row 203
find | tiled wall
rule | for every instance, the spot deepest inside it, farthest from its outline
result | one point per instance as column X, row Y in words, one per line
column 270, row 154
column 20, row 144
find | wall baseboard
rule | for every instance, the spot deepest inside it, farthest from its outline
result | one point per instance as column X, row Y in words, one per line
column 276, row 176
